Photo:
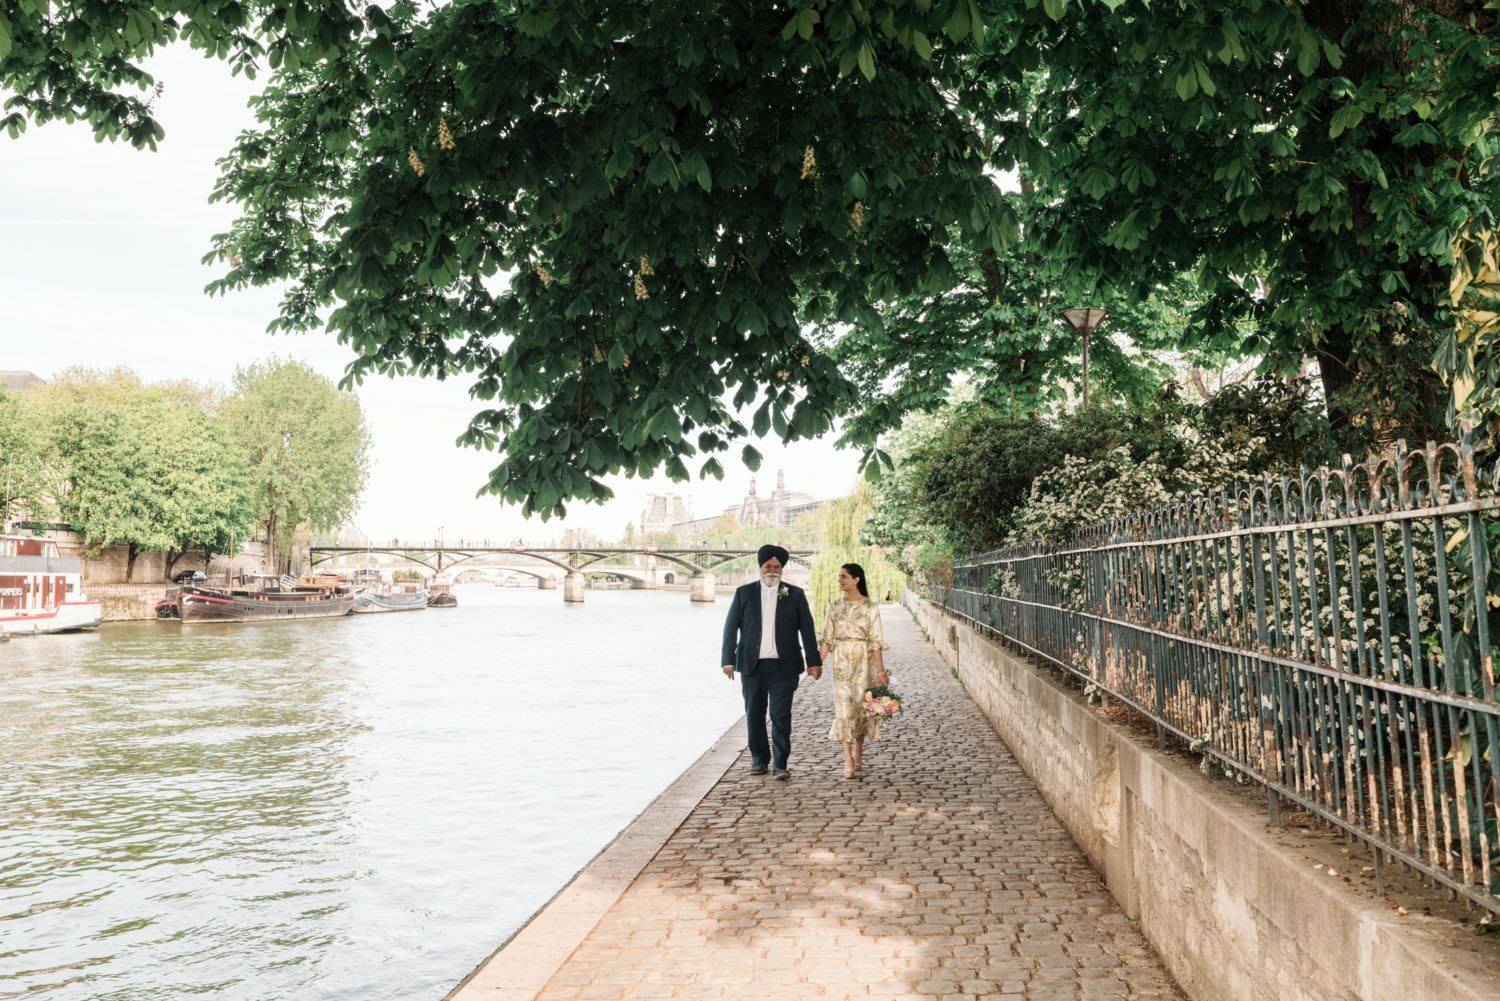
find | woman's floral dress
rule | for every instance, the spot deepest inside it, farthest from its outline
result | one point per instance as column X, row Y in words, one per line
column 852, row 631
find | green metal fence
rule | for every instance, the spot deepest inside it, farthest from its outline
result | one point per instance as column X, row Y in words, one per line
column 1328, row 636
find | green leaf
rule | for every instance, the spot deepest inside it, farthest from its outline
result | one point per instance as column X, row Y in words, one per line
column 1438, row 242
column 1280, row 144
column 666, row 425
column 617, row 355
column 751, row 320
column 921, row 44
column 958, row 22
column 4, row 35
column 661, row 170
column 1445, row 361
column 691, row 53
column 1232, row 49
column 1097, row 181
column 751, row 457
column 1054, row 8
column 383, row 53
column 1307, row 53
column 1204, row 80
column 810, row 17
column 1346, row 117
column 622, row 163
column 1418, row 134
column 867, row 61
column 1137, row 174
column 801, row 24
column 1187, row 83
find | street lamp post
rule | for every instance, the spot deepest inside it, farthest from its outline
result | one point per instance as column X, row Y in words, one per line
column 1085, row 320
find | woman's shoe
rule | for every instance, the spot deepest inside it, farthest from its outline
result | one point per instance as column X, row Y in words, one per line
column 848, row 771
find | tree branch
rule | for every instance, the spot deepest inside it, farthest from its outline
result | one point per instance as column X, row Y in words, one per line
column 1460, row 11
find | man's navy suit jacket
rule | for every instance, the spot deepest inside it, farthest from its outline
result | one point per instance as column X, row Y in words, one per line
column 793, row 618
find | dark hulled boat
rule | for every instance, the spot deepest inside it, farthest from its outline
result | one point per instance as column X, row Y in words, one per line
column 266, row 597
column 440, row 594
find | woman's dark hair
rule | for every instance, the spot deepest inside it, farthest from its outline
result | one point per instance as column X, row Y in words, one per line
column 858, row 573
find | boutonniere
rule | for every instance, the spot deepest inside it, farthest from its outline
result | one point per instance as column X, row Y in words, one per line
column 783, row 592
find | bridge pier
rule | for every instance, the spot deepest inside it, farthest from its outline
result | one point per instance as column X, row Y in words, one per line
column 701, row 586
column 653, row 578
column 547, row 583
column 573, row 587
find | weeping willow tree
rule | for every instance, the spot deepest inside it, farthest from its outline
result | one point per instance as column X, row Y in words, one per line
column 841, row 545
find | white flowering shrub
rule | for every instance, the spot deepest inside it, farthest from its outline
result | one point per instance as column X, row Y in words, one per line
column 1085, row 492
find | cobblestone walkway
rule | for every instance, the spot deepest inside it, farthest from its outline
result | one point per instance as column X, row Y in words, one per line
column 940, row 874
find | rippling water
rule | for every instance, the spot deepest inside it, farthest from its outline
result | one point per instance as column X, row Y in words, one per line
column 356, row 808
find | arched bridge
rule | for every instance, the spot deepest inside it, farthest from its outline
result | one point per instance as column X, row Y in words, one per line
column 647, row 565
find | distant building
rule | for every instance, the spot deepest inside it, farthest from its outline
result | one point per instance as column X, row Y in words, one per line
column 664, row 512
column 782, row 508
column 19, row 381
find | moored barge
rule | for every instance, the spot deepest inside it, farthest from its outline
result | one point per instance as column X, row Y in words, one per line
column 440, row 594
column 374, row 595
column 42, row 591
column 266, row 597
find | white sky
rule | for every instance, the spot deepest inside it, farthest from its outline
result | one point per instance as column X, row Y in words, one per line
column 99, row 265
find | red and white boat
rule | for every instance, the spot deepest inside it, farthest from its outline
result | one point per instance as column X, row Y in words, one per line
column 41, row 591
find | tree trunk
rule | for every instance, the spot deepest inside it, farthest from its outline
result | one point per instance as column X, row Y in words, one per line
column 130, row 554
column 172, row 561
column 1333, row 369
column 270, row 558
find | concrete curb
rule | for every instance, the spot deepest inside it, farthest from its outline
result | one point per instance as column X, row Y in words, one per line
column 523, row 965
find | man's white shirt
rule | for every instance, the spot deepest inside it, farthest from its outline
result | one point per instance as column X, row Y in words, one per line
column 768, row 621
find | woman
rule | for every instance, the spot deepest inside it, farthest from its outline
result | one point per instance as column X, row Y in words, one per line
column 852, row 632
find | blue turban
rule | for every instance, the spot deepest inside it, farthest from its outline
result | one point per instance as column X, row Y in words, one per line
column 767, row 551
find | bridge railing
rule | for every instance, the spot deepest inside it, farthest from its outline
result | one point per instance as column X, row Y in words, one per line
column 487, row 545
column 1328, row 636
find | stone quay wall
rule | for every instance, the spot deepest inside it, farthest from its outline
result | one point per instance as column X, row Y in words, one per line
column 124, row 602
column 107, row 565
column 1233, row 915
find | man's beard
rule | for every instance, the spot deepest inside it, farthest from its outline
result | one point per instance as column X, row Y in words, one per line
column 770, row 579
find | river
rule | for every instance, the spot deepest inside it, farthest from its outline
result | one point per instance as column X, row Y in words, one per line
column 354, row 808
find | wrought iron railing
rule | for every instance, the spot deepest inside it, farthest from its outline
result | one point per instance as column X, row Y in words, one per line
column 1328, row 636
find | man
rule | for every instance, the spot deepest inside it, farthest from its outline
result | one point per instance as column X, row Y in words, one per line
column 766, row 619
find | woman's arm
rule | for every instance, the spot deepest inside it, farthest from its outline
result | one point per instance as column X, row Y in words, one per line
column 825, row 642
column 880, row 675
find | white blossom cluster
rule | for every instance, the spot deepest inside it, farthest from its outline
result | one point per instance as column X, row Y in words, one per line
column 1086, row 492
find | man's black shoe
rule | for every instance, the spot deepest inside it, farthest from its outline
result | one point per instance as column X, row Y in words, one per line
column 758, row 769
column 781, row 775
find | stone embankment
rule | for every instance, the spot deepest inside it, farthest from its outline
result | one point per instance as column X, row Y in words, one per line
column 1238, row 909
column 124, row 602
column 942, row 873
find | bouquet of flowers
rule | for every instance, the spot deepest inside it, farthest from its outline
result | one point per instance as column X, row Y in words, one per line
column 880, row 702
